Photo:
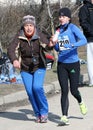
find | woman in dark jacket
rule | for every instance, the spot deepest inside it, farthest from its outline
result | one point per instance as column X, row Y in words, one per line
column 32, row 64
column 86, row 22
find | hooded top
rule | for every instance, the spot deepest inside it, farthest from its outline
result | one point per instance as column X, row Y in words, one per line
column 86, row 19
column 86, row 1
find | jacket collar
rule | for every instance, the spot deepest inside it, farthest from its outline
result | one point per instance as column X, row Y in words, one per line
column 22, row 36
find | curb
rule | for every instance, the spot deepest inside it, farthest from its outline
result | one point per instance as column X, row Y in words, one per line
column 18, row 96
column 53, row 87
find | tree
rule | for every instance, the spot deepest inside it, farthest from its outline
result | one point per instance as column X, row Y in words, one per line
column 46, row 15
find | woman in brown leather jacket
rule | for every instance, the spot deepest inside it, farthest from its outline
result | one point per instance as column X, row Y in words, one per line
column 32, row 65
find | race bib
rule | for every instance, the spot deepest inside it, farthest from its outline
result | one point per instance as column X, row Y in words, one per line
column 63, row 40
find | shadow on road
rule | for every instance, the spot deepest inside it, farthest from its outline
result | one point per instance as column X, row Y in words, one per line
column 23, row 115
column 56, row 119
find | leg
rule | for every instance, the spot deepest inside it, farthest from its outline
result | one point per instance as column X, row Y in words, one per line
column 90, row 62
column 38, row 91
column 74, row 70
column 28, row 81
column 63, row 81
column 74, row 80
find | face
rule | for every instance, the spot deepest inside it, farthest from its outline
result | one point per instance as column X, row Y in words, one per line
column 92, row 1
column 29, row 29
column 63, row 20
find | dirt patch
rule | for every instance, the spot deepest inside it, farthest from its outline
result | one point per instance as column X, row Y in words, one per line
column 51, row 76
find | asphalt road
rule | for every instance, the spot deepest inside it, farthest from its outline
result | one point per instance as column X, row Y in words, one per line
column 21, row 117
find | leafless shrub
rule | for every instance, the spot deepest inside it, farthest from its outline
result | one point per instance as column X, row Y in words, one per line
column 11, row 15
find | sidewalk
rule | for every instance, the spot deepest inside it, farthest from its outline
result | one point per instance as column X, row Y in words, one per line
column 22, row 117
column 13, row 93
column 21, row 95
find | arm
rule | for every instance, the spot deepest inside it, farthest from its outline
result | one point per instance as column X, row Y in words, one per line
column 79, row 36
column 76, row 36
column 11, row 51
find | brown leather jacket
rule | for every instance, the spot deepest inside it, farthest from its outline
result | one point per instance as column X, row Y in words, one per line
column 31, row 52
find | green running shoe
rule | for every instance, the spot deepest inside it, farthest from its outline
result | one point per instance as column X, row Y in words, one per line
column 64, row 121
column 83, row 108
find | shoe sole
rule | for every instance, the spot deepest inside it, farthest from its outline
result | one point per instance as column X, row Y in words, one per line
column 63, row 123
column 43, row 121
column 84, row 113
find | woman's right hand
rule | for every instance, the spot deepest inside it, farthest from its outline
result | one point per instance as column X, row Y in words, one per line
column 16, row 64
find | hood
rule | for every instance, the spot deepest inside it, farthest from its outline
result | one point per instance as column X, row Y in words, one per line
column 86, row 1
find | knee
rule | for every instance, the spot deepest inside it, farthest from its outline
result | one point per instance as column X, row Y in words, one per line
column 74, row 93
column 37, row 88
column 64, row 92
column 28, row 91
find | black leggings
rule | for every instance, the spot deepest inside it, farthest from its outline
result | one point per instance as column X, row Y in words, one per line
column 71, row 72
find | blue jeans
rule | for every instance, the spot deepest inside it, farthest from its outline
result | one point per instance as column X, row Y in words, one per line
column 33, row 83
